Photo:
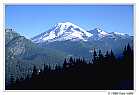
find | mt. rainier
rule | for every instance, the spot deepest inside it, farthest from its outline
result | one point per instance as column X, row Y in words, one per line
column 73, row 40
column 61, row 32
column 66, row 31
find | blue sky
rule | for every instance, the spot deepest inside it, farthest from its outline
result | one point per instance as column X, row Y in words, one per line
column 30, row 20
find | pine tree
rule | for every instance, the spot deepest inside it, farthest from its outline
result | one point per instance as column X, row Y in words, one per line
column 94, row 57
column 45, row 68
column 125, row 51
column 107, row 58
column 34, row 74
column 100, row 57
column 112, row 58
column 128, row 55
column 71, row 60
column 84, row 61
column 65, row 64
column 129, row 50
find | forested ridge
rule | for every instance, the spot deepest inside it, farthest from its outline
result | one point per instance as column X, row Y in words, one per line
column 103, row 72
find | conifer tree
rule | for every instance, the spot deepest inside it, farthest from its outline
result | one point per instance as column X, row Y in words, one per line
column 112, row 58
column 94, row 57
column 107, row 58
column 34, row 74
column 100, row 57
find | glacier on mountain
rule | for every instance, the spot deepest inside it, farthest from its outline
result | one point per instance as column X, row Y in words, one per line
column 63, row 31
column 68, row 31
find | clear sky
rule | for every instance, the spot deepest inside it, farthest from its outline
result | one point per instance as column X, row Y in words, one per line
column 30, row 20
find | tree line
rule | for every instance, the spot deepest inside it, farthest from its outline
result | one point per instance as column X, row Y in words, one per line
column 103, row 72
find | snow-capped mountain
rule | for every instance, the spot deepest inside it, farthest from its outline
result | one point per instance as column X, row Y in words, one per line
column 68, row 31
column 62, row 32
column 73, row 40
column 98, row 34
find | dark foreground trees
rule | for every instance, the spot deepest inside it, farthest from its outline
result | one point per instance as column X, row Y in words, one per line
column 104, row 72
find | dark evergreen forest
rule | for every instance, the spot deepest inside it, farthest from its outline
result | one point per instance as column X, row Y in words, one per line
column 103, row 72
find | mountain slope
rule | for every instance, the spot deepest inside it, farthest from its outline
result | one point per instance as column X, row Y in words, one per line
column 22, row 54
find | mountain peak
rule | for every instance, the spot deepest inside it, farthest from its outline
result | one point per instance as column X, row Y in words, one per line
column 63, row 31
column 69, row 25
column 66, row 23
column 98, row 31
